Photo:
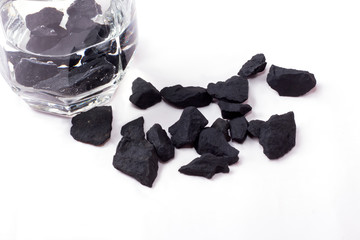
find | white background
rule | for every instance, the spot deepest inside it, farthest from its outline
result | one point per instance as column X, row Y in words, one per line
column 53, row 187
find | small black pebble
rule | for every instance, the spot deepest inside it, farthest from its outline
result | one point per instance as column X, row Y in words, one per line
column 223, row 126
column 206, row 166
column 182, row 97
column 162, row 143
column 290, row 82
column 254, row 128
column 93, row 126
column 144, row 94
column 277, row 135
column 238, row 129
column 185, row 131
column 235, row 89
column 134, row 129
column 255, row 65
column 233, row 110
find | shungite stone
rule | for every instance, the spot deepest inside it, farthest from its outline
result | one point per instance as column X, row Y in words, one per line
column 43, row 31
column 144, row 94
column 137, row 159
column 162, row 143
column 99, row 50
column 185, row 131
column 85, row 8
column 235, row 89
column 183, row 97
column 277, row 135
column 97, row 34
column 213, row 141
column 134, row 129
column 290, row 82
column 238, row 129
column 254, row 128
column 92, row 127
column 79, row 23
column 41, row 44
column 255, row 65
column 233, row 110
column 223, row 126
column 48, row 17
column 206, row 166
column 29, row 72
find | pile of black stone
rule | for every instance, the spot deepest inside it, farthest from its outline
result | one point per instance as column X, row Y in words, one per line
column 138, row 156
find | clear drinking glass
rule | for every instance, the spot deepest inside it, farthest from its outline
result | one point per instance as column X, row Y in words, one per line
column 66, row 56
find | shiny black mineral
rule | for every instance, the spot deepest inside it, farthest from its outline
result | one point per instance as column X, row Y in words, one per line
column 186, row 130
column 233, row 110
column 144, row 94
column 206, row 166
column 235, row 89
column 255, row 65
column 223, row 126
column 162, row 143
column 238, row 129
column 290, row 82
column 183, row 97
column 93, row 126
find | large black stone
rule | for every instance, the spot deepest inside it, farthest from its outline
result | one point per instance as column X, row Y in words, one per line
column 213, row 141
column 183, row 97
column 144, row 94
column 235, row 89
column 238, row 129
column 85, row 8
column 138, row 159
column 277, row 135
column 254, row 128
column 93, row 126
column 206, row 166
column 162, row 143
column 29, row 72
column 185, row 131
column 290, row 82
column 255, row 65
column 134, row 129
column 233, row 110
column 48, row 17
column 223, row 126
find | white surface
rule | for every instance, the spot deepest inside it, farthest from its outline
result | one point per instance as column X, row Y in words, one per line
column 53, row 187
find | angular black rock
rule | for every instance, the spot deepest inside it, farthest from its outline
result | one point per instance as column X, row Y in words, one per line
column 213, row 141
column 138, row 159
column 48, row 17
column 162, row 143
column 134, row 129
column 233, row 110
column 85, row 8
column 223, row 126
column 255, row 65
column 254, row 128
column 277, row 135
column 185, row 131
column 183, row 97
column 290, row 82
column 29, row 72
column 238, row 129
column 144, row 94
column 206, row 166
column 107, row 49
column 235, row 89
column 92, row 127
column 79, row 23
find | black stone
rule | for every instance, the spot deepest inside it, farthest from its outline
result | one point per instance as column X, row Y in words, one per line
column 235, row 89
column 277, row 135
column 79, row 23
column 144, row 94
column 223, row 126
column 254, row 128
column 185, row 131
column 255, row 65
column 162, row 143
column 41, row 44
column 137, row 159
column 85, row 8
column 233, row 110
column 97, row 34
column 238, row 129
column 290, row 82
column 43, row 31
column 29, row 72
column 134, row 130
column 213, row 141
column 93, row 126
column 206, row 166
column 48, row 17
column 183, row 97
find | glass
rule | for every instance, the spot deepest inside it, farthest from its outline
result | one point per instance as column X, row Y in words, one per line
column 66, row 56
